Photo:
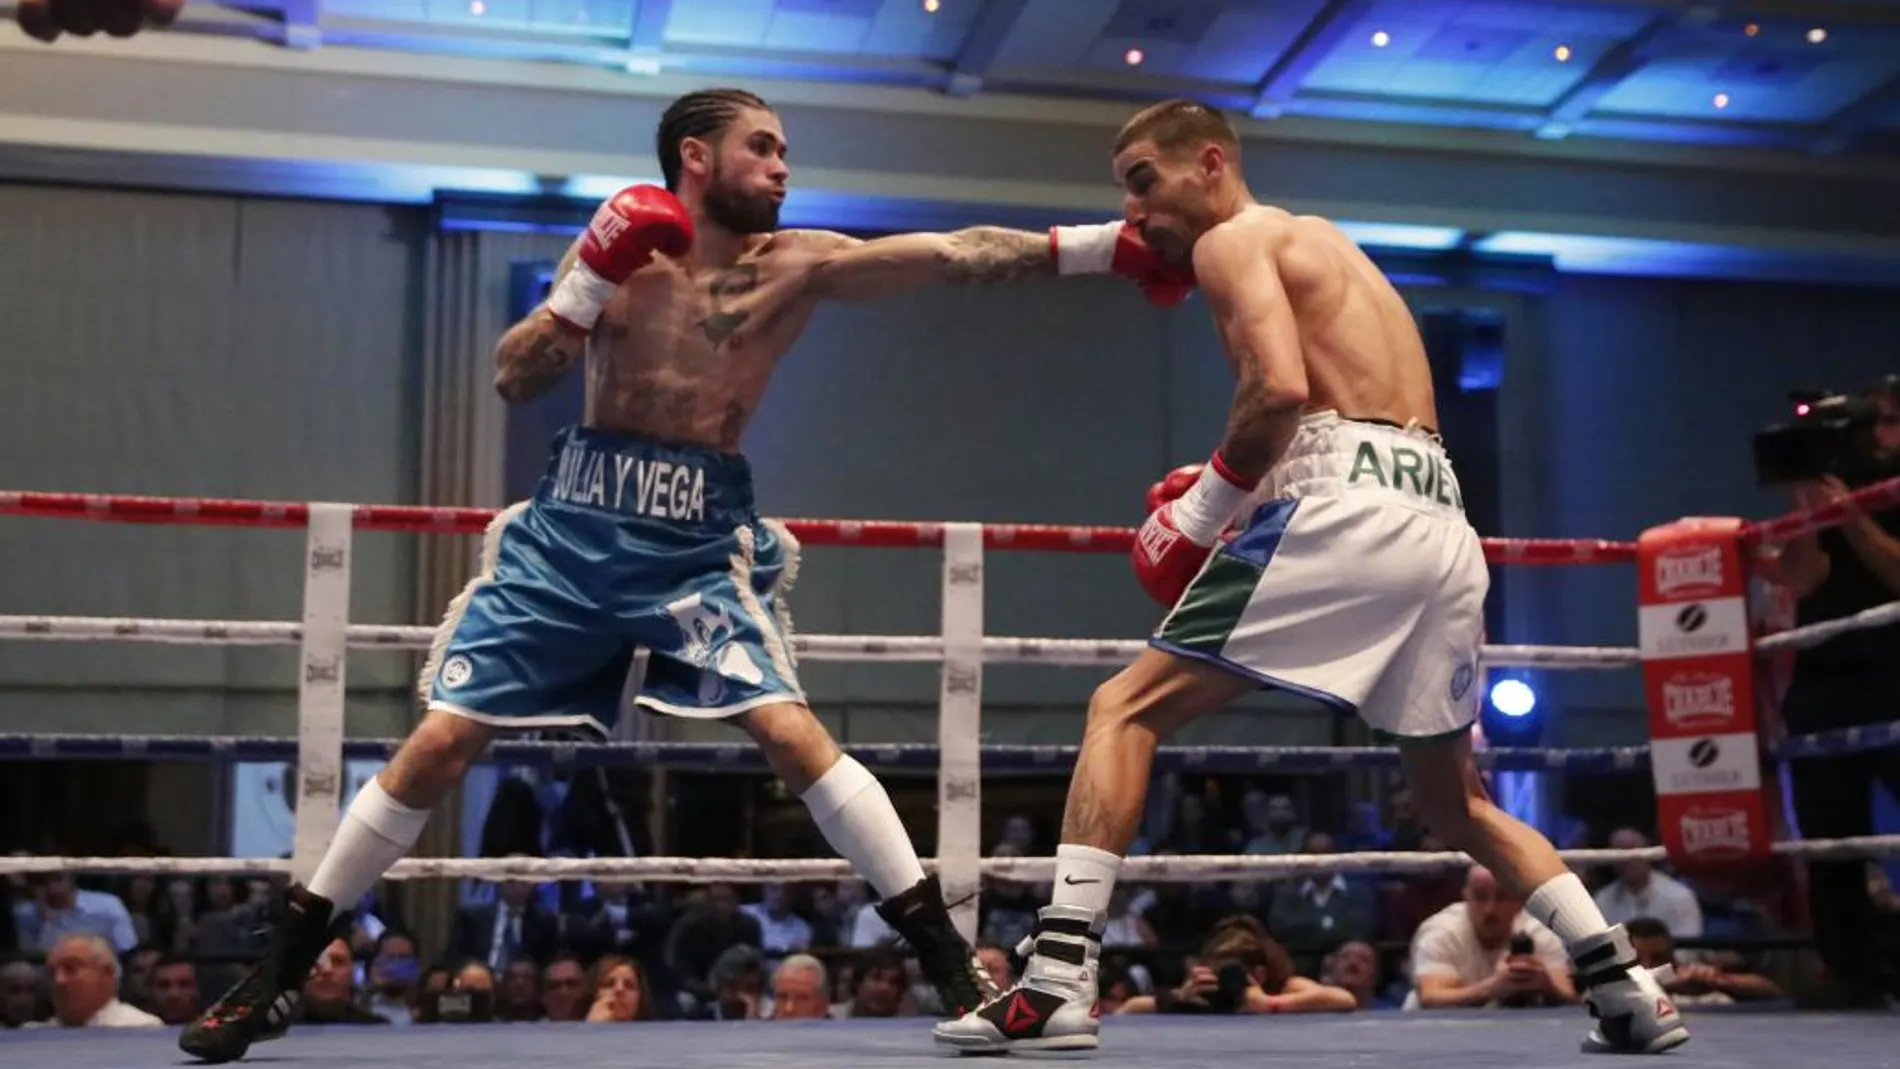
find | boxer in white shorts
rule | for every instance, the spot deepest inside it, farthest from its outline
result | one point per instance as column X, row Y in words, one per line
column 1357, row 581
column 1348, row 573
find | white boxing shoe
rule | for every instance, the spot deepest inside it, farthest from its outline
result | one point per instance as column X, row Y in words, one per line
column 1634, row 1014
column 1053, row 1006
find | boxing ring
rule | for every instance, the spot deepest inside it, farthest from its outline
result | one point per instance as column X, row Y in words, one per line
column 326, row 638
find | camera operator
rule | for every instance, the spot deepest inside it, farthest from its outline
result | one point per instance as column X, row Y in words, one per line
column 1242, row 969
column 1850, row 680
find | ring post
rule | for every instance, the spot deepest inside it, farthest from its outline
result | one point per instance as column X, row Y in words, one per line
column 959, row 718
column 1699, row 677
column 326, row 617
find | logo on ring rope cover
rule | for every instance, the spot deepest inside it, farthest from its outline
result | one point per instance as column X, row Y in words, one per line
column 1698, row 699
column 1712, row 830
column 1695, row 572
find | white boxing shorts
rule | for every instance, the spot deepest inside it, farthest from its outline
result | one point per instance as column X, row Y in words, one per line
column 1354, row 579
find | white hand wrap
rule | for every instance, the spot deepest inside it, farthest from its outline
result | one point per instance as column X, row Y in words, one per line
column 579, row 296
column 1085, row 250
column 1204, row 511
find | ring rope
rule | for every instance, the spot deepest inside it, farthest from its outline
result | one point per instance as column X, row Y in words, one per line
column 1800, row 638
column 1174, row 869
column 910, row 648
column 1872, row 498
column 225, row 512
column 997, row 758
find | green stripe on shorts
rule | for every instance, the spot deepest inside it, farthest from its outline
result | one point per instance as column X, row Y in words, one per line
column 1212, row 606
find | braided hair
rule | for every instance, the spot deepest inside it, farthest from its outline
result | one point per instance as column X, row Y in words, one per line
column 699, row 114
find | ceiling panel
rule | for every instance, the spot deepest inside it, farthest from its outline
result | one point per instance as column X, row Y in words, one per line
column 904, row 28
column 1757, row 88
column 1053, row 34
column 1243, row 43
column 821, row 25
column 740, row 23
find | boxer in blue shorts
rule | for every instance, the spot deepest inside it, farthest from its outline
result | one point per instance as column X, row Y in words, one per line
column 642, row 534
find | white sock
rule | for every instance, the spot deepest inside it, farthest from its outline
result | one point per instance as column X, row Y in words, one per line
column 375, row 833
column 857, row 818
column 1085, row 877
column 1564, row 906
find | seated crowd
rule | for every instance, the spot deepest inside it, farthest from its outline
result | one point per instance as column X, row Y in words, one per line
column 625, row 952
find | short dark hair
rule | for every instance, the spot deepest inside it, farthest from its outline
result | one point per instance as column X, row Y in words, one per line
column 1174, row 124
column 1647, row 928
column 167, row 961
column 698, row 114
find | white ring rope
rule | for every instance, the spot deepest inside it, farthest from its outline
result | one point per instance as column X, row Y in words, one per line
column 1172, row 869
column 1800, row 638
column 912, row 648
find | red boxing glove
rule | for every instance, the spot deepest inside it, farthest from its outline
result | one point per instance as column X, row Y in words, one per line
column 1194, row 506
column 627, row 229
column 1117, row 248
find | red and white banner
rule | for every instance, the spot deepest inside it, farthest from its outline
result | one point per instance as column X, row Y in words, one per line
column 1699, row 675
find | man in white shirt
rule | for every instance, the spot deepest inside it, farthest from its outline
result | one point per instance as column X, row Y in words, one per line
column 1640, row 891
column 1486, row 951
column 86, row 984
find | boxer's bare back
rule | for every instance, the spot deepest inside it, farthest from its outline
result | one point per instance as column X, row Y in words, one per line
column 1303, row 279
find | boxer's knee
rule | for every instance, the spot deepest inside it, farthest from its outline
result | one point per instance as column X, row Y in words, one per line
column 795, row 743
column 433, row 760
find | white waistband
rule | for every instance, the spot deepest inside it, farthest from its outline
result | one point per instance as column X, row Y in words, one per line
column 1332, row 456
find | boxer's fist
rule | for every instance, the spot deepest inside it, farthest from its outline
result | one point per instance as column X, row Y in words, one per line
column 1165, row 561
column 1117, row 248
column 47, row 19
column 632, row 225
column 1188, row 512
column 1178, row 482
column 627, row 229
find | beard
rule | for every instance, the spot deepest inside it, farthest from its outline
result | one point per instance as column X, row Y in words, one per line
column 738, row 213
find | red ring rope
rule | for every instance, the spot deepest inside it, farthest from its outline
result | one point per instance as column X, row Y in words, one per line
column 125, row 508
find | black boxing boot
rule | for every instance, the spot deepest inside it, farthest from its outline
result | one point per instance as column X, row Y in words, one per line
column 263, row 1004
column 921, row 918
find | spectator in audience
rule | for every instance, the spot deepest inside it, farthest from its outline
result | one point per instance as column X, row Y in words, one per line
column 1007, row 908
column 827, row 929
column 619, row 992
column 1696, row 982
column 1639, row 890
column 1314, row 914
column 780, row 930
column 1273, row 824
column 474, row 976
column 564, row 992
column 19, row 994
column 136, row 987
column 519, row 998
column 394, row 974
column 996, row 962
column 1241, row 969
column 702, row 934
column 85, row 970
column 850, row 901
column 153, row 917
column 1116, row 986
column 621, row 917
column 1417, row 898
column 1354, row 968
column 1408, row 833
column 225, row 926
column 738, row 985
column 515, row 925
column 329, row 995
column 60, row 908
column 1364, row 831
column 1486, row 951
column 175, row 995
column 800, row 990
column 879, row 987
column 1122, row 927
column 1018, row 832
column 1195, row 831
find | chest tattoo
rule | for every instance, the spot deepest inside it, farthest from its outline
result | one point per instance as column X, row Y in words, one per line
column 721, row 321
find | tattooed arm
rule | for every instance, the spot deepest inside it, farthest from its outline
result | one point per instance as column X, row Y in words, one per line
column 537, row 351
column 863, row 270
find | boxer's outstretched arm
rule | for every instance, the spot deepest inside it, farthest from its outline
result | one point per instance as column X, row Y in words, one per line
column 1234, row 264
column 863, row 270
column 537, row 351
